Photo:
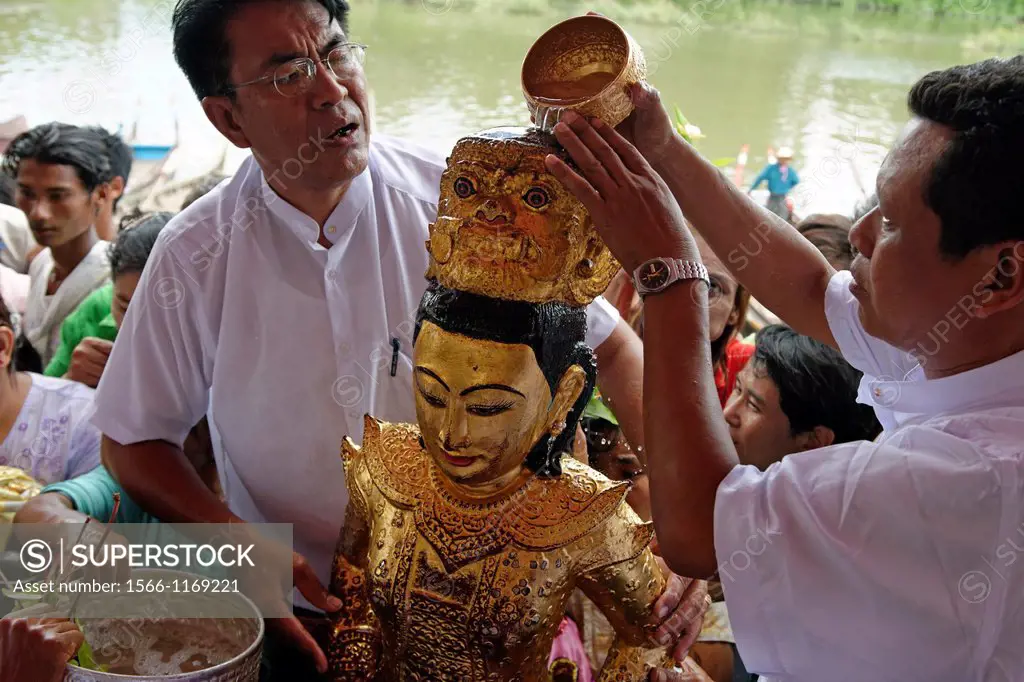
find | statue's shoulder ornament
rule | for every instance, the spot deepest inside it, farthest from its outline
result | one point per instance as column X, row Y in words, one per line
column 558, row 511
column 397, row 463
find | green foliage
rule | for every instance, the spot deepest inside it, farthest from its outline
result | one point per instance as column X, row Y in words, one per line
column 84, row 658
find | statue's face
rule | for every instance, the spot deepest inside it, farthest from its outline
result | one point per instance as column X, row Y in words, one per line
column 513, row 214
column 507, row 228
column 481, row 405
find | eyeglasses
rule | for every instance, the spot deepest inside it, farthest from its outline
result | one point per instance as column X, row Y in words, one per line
column 296, row 77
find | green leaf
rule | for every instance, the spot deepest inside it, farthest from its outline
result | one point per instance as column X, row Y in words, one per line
column 597, row 409
column 84, row 657
column 680, row 119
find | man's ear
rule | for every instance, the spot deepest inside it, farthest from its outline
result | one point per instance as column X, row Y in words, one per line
column 570, row 386
column 221, row 111
column 115, row 188
column 99, row 197
column 1003, row 287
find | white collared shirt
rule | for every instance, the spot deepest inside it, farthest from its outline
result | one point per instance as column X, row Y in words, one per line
column 288, row 343
column 901, row 559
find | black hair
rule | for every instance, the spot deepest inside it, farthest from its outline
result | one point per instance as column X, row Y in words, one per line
column 120, row 157
column 134, row 243
column 202, row 188
column 817, row 387
column 7, row 189
column 84, row 149
column 832, row 238
column 556, row 332
column 200, row 42
column 974, row 184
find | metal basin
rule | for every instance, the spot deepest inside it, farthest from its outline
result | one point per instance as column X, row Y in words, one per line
column 585, row 64
column 237, row 631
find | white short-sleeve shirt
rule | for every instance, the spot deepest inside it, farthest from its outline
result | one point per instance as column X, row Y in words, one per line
column 288, row 344
column 895, row 560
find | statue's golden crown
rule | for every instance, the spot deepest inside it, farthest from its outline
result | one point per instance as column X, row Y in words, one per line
column 506, row 228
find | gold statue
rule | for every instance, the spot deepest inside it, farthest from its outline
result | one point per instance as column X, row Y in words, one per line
column 466, row 534
column 507, row 229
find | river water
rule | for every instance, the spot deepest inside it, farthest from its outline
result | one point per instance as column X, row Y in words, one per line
column 827, row 87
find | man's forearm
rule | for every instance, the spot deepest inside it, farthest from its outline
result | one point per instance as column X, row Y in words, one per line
column 688, row 443
column 161, row 480
column 620, row 372
column 769, row 257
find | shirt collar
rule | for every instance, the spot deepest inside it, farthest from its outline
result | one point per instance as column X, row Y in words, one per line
column 997, row 383
column 344, row 216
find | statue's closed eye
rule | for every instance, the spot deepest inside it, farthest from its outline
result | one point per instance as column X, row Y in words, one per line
column 464, row 187
column 536, row 198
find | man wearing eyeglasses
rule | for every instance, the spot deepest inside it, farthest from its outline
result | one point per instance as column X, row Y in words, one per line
column 282, row 303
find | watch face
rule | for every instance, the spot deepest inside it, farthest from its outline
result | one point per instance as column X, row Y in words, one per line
column 654, row 274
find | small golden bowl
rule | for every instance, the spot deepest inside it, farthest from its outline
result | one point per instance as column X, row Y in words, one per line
column 585, row 64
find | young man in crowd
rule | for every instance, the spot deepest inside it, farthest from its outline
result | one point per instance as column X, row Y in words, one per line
column 883, row 560
column 63, row 176
column 316, row 244
column 795, row 394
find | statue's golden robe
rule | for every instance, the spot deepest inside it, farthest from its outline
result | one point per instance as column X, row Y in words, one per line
column 438, row 586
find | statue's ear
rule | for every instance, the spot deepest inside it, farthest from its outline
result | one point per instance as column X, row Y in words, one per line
column 570, row 386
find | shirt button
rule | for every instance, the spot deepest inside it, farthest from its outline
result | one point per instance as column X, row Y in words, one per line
column 331, row 229
column 344, row 348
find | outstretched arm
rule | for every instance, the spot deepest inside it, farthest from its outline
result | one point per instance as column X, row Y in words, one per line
column 769, row 257
column 766, row 254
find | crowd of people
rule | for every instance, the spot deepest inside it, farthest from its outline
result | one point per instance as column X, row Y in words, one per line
column 831, row 478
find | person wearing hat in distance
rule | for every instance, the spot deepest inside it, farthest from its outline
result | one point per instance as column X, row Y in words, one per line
column 781, row 179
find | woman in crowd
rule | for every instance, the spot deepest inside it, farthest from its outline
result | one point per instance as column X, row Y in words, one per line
column 44, row 422
column 609, row 452
column 88, row 333
column 830, row 234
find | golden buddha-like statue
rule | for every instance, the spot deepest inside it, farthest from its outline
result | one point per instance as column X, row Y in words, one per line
column 466, row 534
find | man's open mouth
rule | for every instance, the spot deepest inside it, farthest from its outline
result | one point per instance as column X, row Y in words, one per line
column 343, row 132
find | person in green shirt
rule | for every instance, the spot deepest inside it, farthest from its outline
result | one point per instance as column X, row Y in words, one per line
column 88, row 333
